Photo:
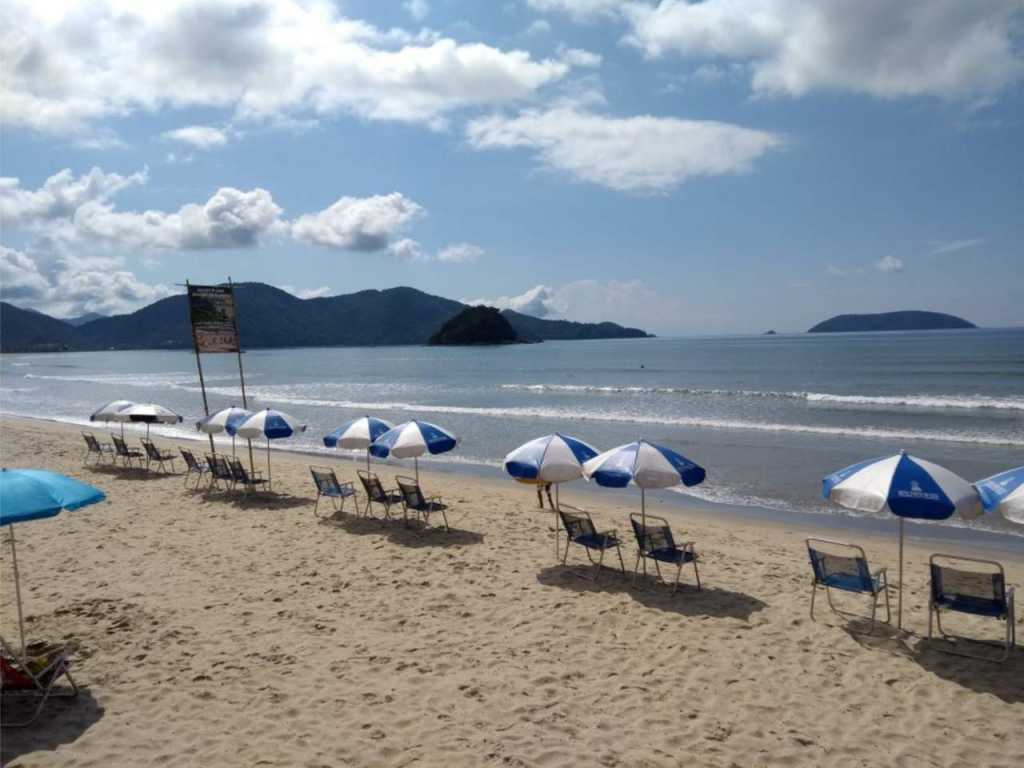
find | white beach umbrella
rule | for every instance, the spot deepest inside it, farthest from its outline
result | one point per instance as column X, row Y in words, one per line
column 1004, row 492
column 270, row 425
column 906, row 486
column 411, row 440
column 554, row 459
column 110, row 411
column 147, row 413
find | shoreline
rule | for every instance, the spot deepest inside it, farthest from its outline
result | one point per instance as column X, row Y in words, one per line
column 968, row 540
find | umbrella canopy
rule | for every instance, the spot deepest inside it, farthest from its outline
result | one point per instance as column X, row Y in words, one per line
column 34, row 494
column 357, row 434
column 270, row 425
column 553, row 458
column 906, row 486
column 411, row 440
column 1004, row 492
column 644, row 465
column 147, row 413
column 227, row 420
column 111, row 412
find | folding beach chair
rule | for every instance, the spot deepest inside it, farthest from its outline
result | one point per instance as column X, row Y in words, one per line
column 220, row 472
column 580, row 529
column 654, row 541
column 34, row 677
column 251, row 482
column 376, row 493
column 413, row 498
column 155, row 455
column 96, row 450
column 193, row 467
column 980, row 592
column 128, row 456
column 848, row 572
column 327, row 484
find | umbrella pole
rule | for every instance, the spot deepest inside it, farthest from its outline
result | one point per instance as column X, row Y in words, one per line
column 367, row 459
column 643, row 521
column 899, row 610
column 17, row 590
column 270, row 483
column 416, row 463
column 232, row 446
column 555, row 513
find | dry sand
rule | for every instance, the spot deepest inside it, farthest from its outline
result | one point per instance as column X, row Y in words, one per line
column 217, row 631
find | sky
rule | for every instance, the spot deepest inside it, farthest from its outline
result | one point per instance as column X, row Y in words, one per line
column 725, row 166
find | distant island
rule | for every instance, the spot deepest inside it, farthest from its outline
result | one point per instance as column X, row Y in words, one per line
column 269, row 317
column 476, row 325
column 908, row 320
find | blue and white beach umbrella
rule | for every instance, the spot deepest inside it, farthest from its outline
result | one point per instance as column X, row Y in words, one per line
column 554, row 459
column 357, row 434
column 644, row 465
column 35, row 494
column 411, row 440
column 1004, row 492
column 906, row 486
column 270, row 425
column 227, row 420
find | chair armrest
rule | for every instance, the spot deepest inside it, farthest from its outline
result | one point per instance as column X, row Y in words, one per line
column 433, row 499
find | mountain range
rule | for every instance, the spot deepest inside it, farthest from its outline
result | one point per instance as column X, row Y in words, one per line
column 271, row 317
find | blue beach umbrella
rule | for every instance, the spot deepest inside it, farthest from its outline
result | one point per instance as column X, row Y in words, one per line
column 1004, row 492
column 35, row 494
column 357, row 434
column 411, row 440
column 906, row 486
column 554, row 459
column 227, row 421
column 270, row 425
column 644, row 465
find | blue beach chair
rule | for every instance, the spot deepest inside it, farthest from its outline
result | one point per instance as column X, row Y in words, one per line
column 979, row 592
column 848, row 572
column 327, row 484
column 655, row 542
column 580, row 530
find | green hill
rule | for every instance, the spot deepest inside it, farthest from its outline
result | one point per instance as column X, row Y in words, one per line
column 476, row 325
column 909, row 320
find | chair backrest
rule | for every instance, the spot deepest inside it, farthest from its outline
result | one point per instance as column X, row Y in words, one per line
column 577, row 522
column 372, row 485
column 325, row 479
column 90, row 441
column 151, row 450
column 190, row 461
column 219, row 468
column 853, row 564
column 953, row 585
column 411, row 492
column 238, row 471
column 652, row 535
column 119, row 445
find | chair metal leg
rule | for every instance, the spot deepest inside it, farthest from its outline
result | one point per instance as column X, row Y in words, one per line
column 814, row 593
column 696, row 573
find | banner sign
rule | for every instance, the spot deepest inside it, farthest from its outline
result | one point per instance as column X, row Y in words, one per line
column 212, row 311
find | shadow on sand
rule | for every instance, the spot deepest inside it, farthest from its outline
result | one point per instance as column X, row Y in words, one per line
column 62, row 721
column 413, row 534
column 1003, row 680
column 687, row 601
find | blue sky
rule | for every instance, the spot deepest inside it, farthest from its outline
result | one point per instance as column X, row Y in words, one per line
column 688, row 168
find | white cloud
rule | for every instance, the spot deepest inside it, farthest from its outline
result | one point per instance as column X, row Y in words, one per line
column 74, row 285
column 940, row 247
column 538, row 27
column 636, row 154
column 460, row 253
column 418, row 9
column 68, row 67
column 60, row 196
column 198, row 136
column 577, row 57
column 889, row 264
column 629, row 302
column 358, row 224
column 580, row 10
column 307, row 293
column 408, row 249
column 947, row 48
column 231, row 218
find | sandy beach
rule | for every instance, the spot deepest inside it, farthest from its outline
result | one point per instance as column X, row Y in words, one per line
column 215, row 629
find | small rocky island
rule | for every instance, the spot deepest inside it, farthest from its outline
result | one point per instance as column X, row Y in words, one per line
column 909, row 320
column 474, row 326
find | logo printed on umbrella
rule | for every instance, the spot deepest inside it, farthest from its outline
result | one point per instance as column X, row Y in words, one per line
column 916, row 492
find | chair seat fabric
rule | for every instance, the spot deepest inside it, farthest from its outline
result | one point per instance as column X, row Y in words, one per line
column 674, row 556
column 978, row 606
column 596, row 540
column 850, row 582
column 342, row 492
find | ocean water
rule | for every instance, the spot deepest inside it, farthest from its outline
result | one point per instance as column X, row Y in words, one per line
column 767, row 416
